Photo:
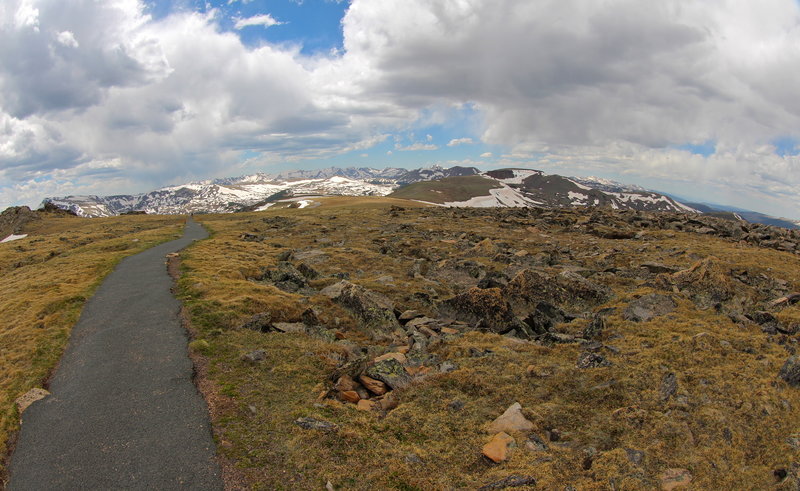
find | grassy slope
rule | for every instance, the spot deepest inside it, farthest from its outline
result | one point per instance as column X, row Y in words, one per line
column 727, row 374
column 46, row 279
column 447, row 190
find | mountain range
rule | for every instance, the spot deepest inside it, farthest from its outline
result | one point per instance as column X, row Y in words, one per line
column 454, row 186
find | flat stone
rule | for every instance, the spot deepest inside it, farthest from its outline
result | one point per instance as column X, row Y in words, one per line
column 409, row 314
column 294, row 327
column 315, row 424
column 400, row 357
column 366, row 405
column 350, row 396
column 30, row 397
column 649, row 306
column 511, row 420
column 375, row 386
column 497, row 448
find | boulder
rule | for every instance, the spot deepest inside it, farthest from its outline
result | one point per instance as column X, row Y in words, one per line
column 486, row 308
column 373, row 310
column 708, row 282
column 511, row 420
column 254, row 356
column 391, row 372
column 645, row 308
column 375, row 386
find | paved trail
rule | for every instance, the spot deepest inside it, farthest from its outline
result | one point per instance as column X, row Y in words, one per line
column 124, row 413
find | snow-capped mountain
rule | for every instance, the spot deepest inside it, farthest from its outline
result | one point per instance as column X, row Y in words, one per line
column 236, row 193
column 527, row 187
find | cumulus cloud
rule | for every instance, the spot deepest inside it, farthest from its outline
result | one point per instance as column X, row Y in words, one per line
column 265, row 20
column 486, row 155
column 616, row 87
column 460, row 141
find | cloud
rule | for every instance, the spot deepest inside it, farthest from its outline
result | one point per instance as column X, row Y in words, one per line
column 460, row 141
column 486, row 155
column 265, row 20
column 611, row 87
column 416, row 146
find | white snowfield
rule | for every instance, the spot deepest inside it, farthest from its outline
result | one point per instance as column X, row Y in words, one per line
column 520, row 175
column 13, row 237
column 503, row 196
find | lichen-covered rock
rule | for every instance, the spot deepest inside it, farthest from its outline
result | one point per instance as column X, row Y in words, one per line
column 790, row 372
column 373, row 310
column 645, row 308
column 285, row 277
column 259, row 322
column 486, row 308
column 528, row 288
column 709, row 282
column 391, row 372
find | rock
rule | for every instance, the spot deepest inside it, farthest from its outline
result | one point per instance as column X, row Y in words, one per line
column 366, row 405
column 544, row 318
column 419, row 321
column 375, row 311
column 391, row 372
column 511, row 420
column 768, row 322
column 375, row 386
column 486, row 308
column 535, row 444
column 587, row 359
column 259, row 322
column 409, row 315
column 674, row 479
column 350, row 396
column 794, row 441
column 447, row 367
column 708, row 281
column 456, row 405
column 254, row 356
column 595, row 328
column 285, row 277
column 251, row 237
column 510, row 482
column 790, row 372
column 497, row 448
column 395, row 355
column 669, row 386
column 315, row 424
column 28, row 398
column 493, row 279
column 307, row 271
column 645, row 308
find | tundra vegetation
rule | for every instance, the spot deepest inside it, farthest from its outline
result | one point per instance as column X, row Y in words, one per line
column 373, row 343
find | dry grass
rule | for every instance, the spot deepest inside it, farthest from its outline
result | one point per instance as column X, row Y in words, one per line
column 46, row 278
column 727, row 424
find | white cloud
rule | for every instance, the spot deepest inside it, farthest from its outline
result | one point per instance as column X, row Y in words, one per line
column 67, row 38
column 265, row 20
column 416, row 146
column 486, row 155
column 613, row 87
column 460, row 141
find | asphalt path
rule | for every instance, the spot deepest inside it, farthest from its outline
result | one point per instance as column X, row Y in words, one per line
column 123, row 412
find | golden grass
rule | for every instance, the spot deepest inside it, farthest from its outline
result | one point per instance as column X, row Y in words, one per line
column 727, row 423
column 46, row 279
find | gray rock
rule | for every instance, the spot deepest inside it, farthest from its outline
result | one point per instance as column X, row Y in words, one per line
column 409, row 315
column 375, row 311
column 669, row 386
column 636, row 457
column 587, row 359
column 255, row 356
column 790, row 372
column 315, row 424
column 645, row 308
column 447, row 367
column 259, row 322
column 595, row 328
column 391, row 372
column 294, row 327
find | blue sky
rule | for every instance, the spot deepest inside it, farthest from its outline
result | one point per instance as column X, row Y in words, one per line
column 694, row 98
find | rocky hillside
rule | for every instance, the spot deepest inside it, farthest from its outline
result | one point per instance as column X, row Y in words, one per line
column 526, row 187
column 378, row 344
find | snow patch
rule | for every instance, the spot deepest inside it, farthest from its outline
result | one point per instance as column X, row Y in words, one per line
column 13, row 237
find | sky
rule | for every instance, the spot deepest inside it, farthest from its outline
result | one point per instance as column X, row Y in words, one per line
column 697, row 99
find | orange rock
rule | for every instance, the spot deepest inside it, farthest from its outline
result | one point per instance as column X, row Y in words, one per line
column 400, row 357
column 497, row 448
column 449, row 330
column 403, row 349
column 375, row 386
column 350, row 396
column 366, row 405
column 511, row 420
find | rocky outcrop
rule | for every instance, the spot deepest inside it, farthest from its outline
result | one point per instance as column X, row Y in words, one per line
column 374, row 311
